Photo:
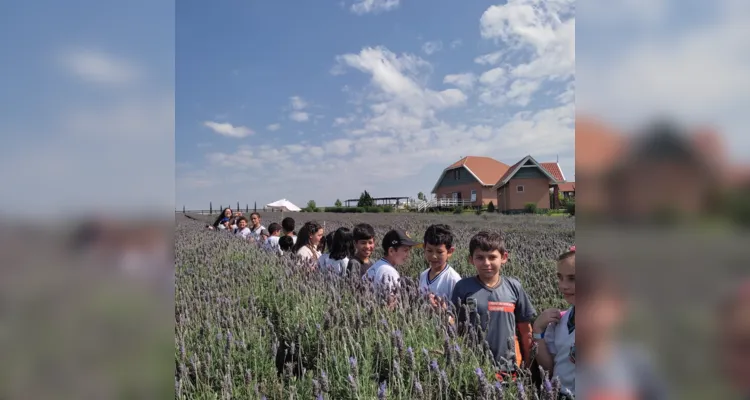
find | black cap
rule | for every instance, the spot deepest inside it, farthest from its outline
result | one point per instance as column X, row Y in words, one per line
column 397, row 238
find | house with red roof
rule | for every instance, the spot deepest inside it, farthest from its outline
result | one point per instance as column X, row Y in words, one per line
column 482, row 180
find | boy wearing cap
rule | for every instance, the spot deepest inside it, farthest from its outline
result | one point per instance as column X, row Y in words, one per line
column 396, row 248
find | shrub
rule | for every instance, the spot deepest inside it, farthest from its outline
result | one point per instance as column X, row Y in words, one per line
column 491, row 207
column 570, row 208
column 530, row 208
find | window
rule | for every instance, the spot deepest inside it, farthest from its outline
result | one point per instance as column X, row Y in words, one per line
column 455, row 195
column 473, row 196
column 519, row 188
column 457, row 174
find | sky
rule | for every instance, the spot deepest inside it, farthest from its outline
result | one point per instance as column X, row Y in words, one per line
column 323, row 100
column 104, row 106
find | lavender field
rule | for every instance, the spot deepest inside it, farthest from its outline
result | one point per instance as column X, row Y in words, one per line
column 252, row 325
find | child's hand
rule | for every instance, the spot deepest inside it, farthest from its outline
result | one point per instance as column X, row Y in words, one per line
column 548, row 316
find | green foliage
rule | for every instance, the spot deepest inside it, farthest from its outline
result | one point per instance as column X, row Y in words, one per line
column 570, row 207
column 237, row 308
column 491, row 207
column 530, row 208
column 311, row 207
column 421, row 196
column 365, row 200
column 338, row 203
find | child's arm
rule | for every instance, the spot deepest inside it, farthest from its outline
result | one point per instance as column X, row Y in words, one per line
column 545, row 347
column 524, row 314
column 524, row 330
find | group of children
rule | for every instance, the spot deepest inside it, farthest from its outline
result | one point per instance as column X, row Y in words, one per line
column 496, row 303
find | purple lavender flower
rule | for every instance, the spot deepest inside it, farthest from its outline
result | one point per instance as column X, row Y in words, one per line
column 521, row 390
column 353, row 365
column 352, row 383
column 324, row 384
column 396, row 369
column 434, row 367
column 398, row 341
column 499, row 390
column 410, row 363
column 316, row 387
column 418, row 392
column 381, row 391
column 444, row 379
column 426, row 353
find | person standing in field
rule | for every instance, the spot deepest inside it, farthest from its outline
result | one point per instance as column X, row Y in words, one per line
column 342, row 247
column 242, row 230
column 288, row 225
column 307, row 242
column 274, row 233
column 364, row 245
column 396, row 248
column 322, row 246
column 256, row 228
column 554, row 330
column 220, row 221
column 438, row 280
column 496, row 303
column 285, row 245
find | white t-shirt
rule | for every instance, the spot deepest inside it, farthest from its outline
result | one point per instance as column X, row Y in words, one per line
column 383, row 274
column 322, row 261
column 443, row 283
column 561, row 344
column 307, row 254
column 336, row 266
column 256, row 232
column 272, row 244
column 242, row 233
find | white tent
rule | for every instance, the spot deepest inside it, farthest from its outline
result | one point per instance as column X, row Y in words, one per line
column 283, row 205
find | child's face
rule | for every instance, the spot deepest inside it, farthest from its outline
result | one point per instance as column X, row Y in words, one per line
column 488, row 263
column 399, row 255
column 566, row 279
column 227, row 213
column 242, row 224
column 364, row 247
column 255, row 220
column 316, row 237
column 437, row 255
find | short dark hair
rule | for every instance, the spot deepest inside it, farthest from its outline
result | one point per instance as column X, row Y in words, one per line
column 242, row 218
column 286, row 243
column 343, row 244
column 439, row 234
column 255, row 213
column 273, row 228
column 363, row 232
column 288, row 224
column 487, row 241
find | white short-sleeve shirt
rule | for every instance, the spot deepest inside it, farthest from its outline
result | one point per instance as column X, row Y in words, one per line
column 561, row 344
column 244, row 233
column 442, row 285
column 336, row 266
column 383, row 274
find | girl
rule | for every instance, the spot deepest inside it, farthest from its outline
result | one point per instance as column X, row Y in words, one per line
column 242, row 230
column 554, row 330
column 341, row 249
column 308, row 239
column 219, row 223
column 325, row 244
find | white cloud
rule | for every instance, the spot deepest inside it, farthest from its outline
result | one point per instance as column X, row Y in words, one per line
column 432, row 47
column 229, row 130
column 462, row 81
column 374, row 6
column 273, row 127
column 456, row 44
column 100, row 67
column 299, row 116
column 298, row 103
column 338, row 147
column 541, row 31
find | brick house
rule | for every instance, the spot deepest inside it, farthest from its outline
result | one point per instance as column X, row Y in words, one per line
column 568, row 190
column 482, row 180
column 634, row 177
column 529, row 181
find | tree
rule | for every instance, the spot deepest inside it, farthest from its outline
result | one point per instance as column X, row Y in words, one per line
column 491, row 207
column 255, row 207
column 311, row 206
column 421, row 196
column 338, row 203
column 183, row 209
column 365, row 200
column 238, row 206
column 247, row 209
column 210, row 207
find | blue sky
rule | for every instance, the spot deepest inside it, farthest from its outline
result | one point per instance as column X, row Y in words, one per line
column 322, row 100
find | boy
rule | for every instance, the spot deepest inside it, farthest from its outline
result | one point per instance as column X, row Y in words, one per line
column 274, row 231
column 288, row 225
column 285, row 244
column 364, row 244
column 496, row 303
column 396, row 248
column 439, row 279
column 554, row 330
column 242, row 230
